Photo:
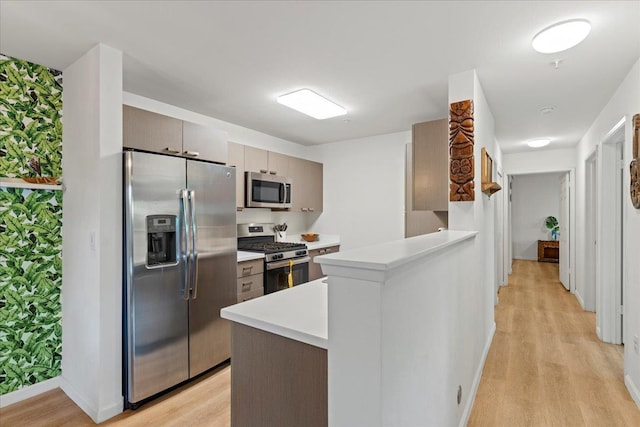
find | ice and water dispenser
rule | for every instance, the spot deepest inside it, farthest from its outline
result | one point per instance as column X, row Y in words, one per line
column 161, row 240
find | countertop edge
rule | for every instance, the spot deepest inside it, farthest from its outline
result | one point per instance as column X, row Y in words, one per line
column 356, row 258
column 248, row 256
column 280, row 330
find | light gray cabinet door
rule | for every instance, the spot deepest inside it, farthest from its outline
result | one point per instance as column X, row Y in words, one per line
column 204, row 143
column 431, row 166
column 149, row 131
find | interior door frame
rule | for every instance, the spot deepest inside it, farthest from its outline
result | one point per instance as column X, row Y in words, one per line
column 610, row 220
column 565, row 232
column 508, row 241
column 589, row 300
column 499, row 226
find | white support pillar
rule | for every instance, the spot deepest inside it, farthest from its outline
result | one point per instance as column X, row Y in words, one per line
column 91, row 236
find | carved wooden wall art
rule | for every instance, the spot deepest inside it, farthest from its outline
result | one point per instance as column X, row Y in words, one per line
column 461, row 159
column 635, row 164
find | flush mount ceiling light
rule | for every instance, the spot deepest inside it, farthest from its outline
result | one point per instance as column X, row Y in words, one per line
column 537, row 143
column 561, row 36
column 310, row 103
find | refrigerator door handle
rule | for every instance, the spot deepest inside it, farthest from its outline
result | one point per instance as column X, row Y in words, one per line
column 184, row 241
column 194, row 250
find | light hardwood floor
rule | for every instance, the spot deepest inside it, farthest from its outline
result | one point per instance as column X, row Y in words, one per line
column 546, row 367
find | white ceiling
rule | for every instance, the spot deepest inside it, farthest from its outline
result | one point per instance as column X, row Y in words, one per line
column 387, row 63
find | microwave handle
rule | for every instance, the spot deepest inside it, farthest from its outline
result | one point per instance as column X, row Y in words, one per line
column 283, row 193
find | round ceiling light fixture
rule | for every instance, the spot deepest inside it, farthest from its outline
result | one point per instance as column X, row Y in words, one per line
column 561, row 36
column 537, row 143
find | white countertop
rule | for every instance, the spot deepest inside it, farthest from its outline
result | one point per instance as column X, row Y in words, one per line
column 299, row 313
column 391, row 255
column 248, row 256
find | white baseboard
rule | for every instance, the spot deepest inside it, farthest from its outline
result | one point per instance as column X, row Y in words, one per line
column 97, row 415
column 29, row 391
column 633, row 390
column 476, row 379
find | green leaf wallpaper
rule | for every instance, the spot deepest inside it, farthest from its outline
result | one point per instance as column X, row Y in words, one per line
column 30, row 225
column 30, row 280
column 30, row 118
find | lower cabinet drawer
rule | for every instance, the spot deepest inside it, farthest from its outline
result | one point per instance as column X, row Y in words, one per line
column 250, row 283
column 245, row 296
column 248, row 268
column 250, row 287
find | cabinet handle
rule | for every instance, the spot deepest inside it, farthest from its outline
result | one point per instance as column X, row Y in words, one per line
column 191, row 153
column 247, row 285
column 273, row 172
column 247, row 269
column 304, row 209
column 263, row 171
column 312, row 210
column 172, row 150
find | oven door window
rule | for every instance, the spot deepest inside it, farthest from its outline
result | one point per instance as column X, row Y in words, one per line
column 267, row 192
column 277, row 279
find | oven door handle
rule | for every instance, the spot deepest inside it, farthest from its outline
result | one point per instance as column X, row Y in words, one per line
column 285, row 263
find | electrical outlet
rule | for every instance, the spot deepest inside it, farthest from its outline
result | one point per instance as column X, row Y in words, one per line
column 636, row 344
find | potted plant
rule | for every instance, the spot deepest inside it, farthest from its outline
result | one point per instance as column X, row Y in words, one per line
column 551, row 222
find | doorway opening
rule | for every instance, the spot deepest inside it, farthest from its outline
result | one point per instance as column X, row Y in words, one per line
column 516, row 247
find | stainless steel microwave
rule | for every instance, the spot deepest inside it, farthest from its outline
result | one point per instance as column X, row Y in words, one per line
column 267, row 191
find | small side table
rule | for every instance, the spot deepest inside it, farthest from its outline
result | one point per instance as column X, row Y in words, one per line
column 548, row 250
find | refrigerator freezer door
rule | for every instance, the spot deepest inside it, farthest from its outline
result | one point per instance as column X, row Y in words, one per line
column 156, row 311
column 213, row 188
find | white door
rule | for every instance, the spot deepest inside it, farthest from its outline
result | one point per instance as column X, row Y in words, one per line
column 588, row 293
column 565, row 266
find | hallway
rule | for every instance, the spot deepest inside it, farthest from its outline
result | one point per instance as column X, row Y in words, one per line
column 546, row 366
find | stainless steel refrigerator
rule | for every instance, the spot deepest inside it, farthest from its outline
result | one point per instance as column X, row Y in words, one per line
column 180, row 270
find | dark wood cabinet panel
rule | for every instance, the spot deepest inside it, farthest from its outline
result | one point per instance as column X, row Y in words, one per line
column 276, row 381
column 548, row 251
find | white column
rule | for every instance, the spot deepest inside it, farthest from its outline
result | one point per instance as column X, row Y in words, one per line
column 92, row 230
column 405, row 319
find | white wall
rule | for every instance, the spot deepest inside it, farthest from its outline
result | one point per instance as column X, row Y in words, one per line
column 539, row 161
column 534, row 198
column 91, row 234
column 363, row 189
column 624, row 103
column 478, row 215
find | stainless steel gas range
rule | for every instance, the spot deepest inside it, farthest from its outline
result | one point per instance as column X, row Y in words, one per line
column 285, row 262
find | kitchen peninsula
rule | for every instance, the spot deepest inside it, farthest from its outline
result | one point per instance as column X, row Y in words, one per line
column 378, row 344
